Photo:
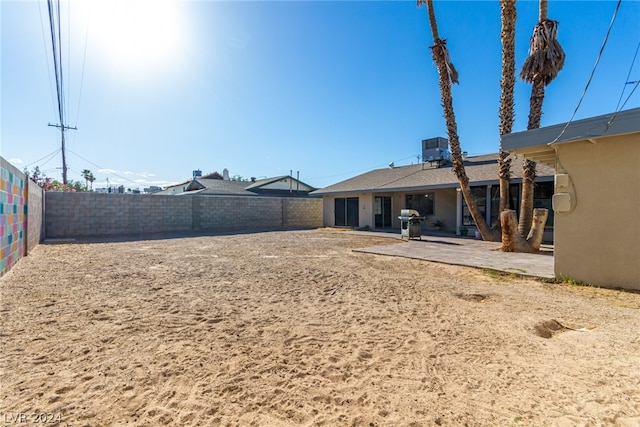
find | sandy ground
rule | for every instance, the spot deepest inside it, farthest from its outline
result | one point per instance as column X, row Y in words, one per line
column 294, row 328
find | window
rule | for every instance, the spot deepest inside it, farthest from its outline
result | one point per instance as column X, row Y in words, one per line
column 542, row 195
column 479, row 194
column 514, row 202
column 423, row 203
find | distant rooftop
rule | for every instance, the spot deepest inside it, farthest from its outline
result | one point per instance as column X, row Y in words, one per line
column 481, row 170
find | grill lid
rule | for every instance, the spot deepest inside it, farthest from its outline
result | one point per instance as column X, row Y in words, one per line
column 409, row 213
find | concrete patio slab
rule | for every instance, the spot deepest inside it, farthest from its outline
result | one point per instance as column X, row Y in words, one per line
column 470, row 253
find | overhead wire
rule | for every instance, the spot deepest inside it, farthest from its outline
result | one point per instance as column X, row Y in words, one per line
column 62, row 100
column 361, row 170
column 100, row 167
column 593, row 71
column 624, row 86
column 42, row 158
column 44, row 44
column 84, row 59
column 66, row 113
column 626, row 100
column 56, row 57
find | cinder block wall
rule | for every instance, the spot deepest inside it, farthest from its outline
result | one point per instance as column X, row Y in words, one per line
column 35, row 215
column 20, row 215
column 96, row 214
column 93, row 214
column 301, row 212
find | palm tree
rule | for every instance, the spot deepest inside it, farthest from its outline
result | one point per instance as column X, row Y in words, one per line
column 86, row 173
column 507, row 84
column 545, row 60
column 511, row 240
column 91, row 178
column 448, row 75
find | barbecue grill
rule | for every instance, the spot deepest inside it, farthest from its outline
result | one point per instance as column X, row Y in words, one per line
column 410, row 224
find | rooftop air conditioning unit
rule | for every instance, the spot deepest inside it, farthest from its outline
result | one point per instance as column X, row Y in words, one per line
column 435, row 149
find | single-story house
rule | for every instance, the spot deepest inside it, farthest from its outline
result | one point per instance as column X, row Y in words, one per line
column 596, row 199
column 220, row 185
column 375, row 199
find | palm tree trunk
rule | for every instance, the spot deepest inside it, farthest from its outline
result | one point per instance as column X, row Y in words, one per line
column 507, row 83
column 546, row 59
column 535, row 103
column 529, row 166
column 447, row 74
column 543, row 8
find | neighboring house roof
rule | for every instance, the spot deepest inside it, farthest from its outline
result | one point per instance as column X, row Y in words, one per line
column 172, row 189
column 537, row 144
column 481, row 170
column 283, row 183
column 216, row 187
column 220, row 187
column 266, row 181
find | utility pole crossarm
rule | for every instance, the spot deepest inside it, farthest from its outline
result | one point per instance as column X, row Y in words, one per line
column 63, row 127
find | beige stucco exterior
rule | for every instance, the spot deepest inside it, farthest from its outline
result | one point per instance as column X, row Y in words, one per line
column 597, row 241
column 596, row 199
column 444, row 208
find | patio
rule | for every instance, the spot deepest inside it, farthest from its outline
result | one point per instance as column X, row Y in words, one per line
column 451, row 249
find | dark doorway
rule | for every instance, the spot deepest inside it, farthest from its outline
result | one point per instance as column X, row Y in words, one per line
column 382, row 212
column 347, row 212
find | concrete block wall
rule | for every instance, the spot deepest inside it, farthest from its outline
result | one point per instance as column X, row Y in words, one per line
column 301, row 212
column 35, row 215
column 93, row 214
column 96, row 214
column 237, row 213
column 20, row 215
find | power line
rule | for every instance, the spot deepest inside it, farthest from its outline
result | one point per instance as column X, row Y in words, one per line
column 624, row 86
column 84, row 59
column 56, row 64
column 50, row 155
column 44, row 44
column 56, row 47
column 100, row 167
column 623, row 104
column 362, row 170
column 68, row 54
column 593, row 71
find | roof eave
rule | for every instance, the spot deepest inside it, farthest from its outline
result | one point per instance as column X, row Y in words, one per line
column 538, row 144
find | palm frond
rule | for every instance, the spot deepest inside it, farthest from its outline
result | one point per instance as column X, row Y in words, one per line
column 546, row 56
column 441, row 46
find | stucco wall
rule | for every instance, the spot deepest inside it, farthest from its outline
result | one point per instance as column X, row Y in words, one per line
column 93, row 214
column 444, row 209
column 328, row 219
column 365, row 209
column 20, row 215
column 598, row 241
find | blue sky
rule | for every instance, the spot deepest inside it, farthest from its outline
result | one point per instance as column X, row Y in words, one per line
column 327, row 88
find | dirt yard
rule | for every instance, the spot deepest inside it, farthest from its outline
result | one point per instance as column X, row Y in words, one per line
column 296, row 329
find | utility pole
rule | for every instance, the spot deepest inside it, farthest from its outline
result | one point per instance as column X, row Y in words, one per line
column 64, row 158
